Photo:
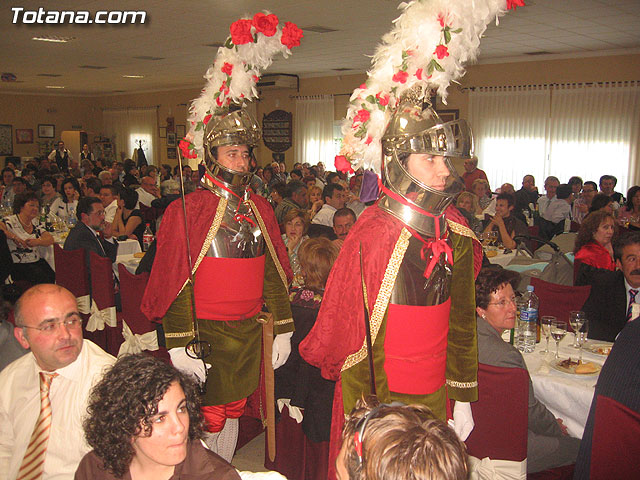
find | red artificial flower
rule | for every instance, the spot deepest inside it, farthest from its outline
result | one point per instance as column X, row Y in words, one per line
column 441, row 51
column 363, row 86
column 382, row 100
column 342, row 164
column 206, row 119
column 185, row 148
column 513, row 4
column 219, row 101
column 241, row 32
column 400, row 77
column 441, row 19
column 368, row 140
column 362, row 116
column 291, row 35
column 265, row 24
column 227, row 68
column 418, row 74
column 255, row 78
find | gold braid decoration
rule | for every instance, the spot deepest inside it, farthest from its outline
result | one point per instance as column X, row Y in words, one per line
column 190, row 333
column 213, row 230
column 270, row 246
column 382, row 301
column 462, row 230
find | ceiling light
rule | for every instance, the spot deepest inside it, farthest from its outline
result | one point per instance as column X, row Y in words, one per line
column 148, row 57
column 133, row 76
column 53, row 38
column 318, row 29
column 93, row 67
column 54, row 86
column 49, row 75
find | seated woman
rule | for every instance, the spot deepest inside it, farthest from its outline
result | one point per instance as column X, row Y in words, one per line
column 481, row 189
column 48, row 193
column 601, row 202
column 314, row 194
column 593, row 247
column 65, row 207
column 296, row 225
column 144, row 421
column 629, row 214
column 548, row 444
column 24, row 236
column 128, row 219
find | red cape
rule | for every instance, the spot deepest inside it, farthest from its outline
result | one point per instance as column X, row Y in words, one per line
column 170, row 267
column 596, row 255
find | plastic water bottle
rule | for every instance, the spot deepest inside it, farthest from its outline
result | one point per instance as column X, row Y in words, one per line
column 147, row 238
column 72, row 217
column 528, row 321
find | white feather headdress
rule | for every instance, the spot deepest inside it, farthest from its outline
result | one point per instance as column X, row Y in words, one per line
column 426, row 49
column 233, row 76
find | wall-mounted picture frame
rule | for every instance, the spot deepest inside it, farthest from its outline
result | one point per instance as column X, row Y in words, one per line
column 181, row 131
column 171, row 139
column 46, row 130
column 172, row 153
column 24, row 135
column 162, row 132
column 448, row 115
column 6, row 140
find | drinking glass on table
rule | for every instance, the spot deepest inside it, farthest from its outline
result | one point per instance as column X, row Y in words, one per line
column 545, row 325
column 558, row 331
column 576, row 319
column 582, row 336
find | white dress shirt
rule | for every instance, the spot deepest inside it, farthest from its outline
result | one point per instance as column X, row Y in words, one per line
column 20, row 408
column 543, row 203
column 324, row 216
column 145, row 198
column 110, row 211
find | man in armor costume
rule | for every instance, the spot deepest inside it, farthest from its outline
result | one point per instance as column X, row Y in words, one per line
column 419, row 264
column 239, row 264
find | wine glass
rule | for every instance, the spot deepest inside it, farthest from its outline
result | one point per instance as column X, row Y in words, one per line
column 545, row 325
column 558, row 331
column 576, row 319
column 582, row 336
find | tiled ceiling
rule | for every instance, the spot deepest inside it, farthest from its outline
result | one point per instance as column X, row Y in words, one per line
column 170, row 50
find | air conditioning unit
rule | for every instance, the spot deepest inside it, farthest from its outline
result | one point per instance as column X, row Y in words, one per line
column 280, row 81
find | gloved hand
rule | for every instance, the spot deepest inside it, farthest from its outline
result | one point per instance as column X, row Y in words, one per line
column 281, row 349
column 462, row 420
column 187, row 365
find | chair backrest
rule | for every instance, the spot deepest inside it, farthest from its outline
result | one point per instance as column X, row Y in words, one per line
column 131, row 292
column 559, row 300
column 102, row 291
column 615, row 448
column 500, row 414
column 71, row 270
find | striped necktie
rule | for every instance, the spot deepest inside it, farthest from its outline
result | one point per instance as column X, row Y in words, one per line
column 632, row 300
column 32, row 465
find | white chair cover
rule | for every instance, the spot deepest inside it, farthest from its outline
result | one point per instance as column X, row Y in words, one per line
column 136, row 343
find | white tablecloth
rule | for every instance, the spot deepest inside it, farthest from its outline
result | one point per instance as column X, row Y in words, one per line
column 128, row 260
column 502, row 258
column 125, row 247
column 567, row 396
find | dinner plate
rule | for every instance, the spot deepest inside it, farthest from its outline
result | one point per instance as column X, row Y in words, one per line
column 603, row 349
column 572, row 369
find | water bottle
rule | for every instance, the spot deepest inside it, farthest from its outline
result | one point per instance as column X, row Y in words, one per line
column 147, row 238
column 72, row 217
column 43, row 215
column 528, row 322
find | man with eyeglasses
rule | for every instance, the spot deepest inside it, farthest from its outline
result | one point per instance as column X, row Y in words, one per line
column 44, row 393
column 148, row 191
column 85, row 234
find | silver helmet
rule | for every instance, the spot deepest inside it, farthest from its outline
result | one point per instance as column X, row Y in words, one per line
column 415, row 129
column 237, row 127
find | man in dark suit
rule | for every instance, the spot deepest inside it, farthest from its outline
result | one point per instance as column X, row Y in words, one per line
column 85, row 234
column 609, row 305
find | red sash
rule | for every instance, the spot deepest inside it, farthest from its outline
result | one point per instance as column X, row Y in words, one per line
column 229, row 288
column 415, row 347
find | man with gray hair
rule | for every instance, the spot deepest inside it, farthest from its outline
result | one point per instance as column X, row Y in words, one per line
column 551, row 184
column 472, row 173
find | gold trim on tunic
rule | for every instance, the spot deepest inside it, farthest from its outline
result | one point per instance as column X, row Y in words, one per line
column 270, row 246
column 382, row 301
column 456, row 384
column 462, row 230
column 283, row 322
column 180, row 334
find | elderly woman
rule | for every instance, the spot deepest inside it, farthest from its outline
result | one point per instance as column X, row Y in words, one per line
column 296, row 225
column 48, row 193
column 480, row 188
column 144, row 421
column 594, row 242
column 548, row 444
column 65, row 207
column 24, row 235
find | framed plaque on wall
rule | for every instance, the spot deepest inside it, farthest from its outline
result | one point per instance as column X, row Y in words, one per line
column 277, row 130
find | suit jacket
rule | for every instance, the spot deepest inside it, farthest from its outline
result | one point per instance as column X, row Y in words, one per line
column 81, row 236
column 606, row 307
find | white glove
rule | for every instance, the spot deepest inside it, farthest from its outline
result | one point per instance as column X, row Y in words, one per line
column 281, row 349
column 462, row 420
column 187, row 365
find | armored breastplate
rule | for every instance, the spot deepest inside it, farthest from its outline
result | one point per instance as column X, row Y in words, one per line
column 239, row 235
column 412, row 288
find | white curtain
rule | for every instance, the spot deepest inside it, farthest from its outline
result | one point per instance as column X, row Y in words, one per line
column 561, row 130
column 510, row 129
column 127, row 127
column 314, row 130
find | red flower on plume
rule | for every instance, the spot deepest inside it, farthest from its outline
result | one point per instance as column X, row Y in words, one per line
column 382, row 100
column 513, row 4
column 241, row 32
column 206, row 119
column 441, row 51
column 368, row 140
column 363, row 86
column 418, row 74
column 342, row 164
column 187, row 152
column 255, row 78
column 219, row 101
column 291, row 35
column 362, row 116
column 227, row 68
column 400, row 77
column 265, row 24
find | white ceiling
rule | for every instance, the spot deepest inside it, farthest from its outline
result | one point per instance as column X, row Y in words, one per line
column 178, row 32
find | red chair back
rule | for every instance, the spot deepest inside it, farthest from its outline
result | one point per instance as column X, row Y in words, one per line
column 559, row 300
column 131, row 292
column 615, row 448
column 71, row 270
column 500, row 414
column 102, row 291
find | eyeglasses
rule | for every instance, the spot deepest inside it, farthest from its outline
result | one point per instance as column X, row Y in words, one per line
column 504, row 303
column 50, row 327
